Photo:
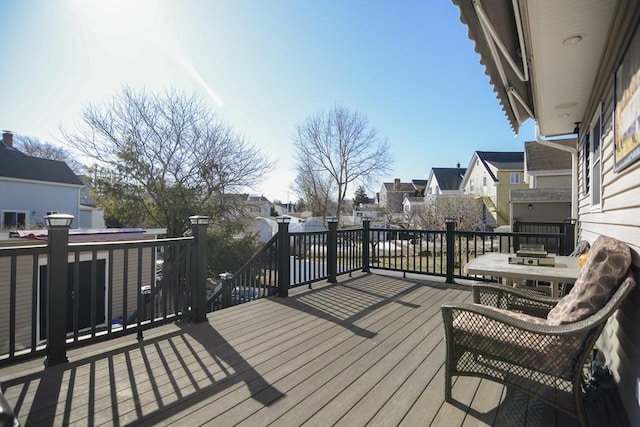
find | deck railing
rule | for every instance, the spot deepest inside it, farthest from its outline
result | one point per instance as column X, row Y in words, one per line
column 61, row 295
column 116, row 288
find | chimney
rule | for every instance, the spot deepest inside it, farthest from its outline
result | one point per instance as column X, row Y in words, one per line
column 396, row 184
column 458, row 165
column 7, row 139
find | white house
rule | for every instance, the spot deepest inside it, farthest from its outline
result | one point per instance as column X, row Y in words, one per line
column 573, row 66
column 31, row 188
column 444, row 181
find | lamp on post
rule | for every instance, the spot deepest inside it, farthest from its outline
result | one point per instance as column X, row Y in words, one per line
column 199, row 225
column 56, row 293
column 58, row 221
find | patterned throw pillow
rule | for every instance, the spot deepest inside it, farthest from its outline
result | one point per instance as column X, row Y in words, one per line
column 607, row 262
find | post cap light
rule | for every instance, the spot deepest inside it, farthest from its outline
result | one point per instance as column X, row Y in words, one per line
column 58, row 220
column 283, row 219
column 199, row 220
column 449, row 219
column 332, row 219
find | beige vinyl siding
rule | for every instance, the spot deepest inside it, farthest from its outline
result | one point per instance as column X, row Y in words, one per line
column 618, row 217
column 119, row 269
column 24, row 289
column 24, row 300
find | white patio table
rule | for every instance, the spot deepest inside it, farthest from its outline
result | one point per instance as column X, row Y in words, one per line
column 566, row 269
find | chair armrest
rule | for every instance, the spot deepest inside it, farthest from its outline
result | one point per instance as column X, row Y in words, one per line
column 508, row 298
column 524, row 341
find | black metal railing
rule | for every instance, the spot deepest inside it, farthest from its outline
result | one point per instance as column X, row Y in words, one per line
column 111, row 289
column 257, row 278
column 116, row 288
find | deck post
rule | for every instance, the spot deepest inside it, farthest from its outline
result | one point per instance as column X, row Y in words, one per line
column 366, row 226
column 332, row 251
column 569, row 235
column 284, row 250
column 199, row 225
column 56, row 295
column 451, row 226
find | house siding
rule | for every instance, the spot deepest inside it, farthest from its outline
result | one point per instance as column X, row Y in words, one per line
column 555, row 181
column 37, row 198
column 618, row 216
column 504, row 188
column 25, row 280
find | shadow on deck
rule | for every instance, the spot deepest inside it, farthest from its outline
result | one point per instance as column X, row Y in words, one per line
column 368, row 350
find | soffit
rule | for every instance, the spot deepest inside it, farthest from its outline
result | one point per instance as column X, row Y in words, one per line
column 561, row 75
column 564, row 73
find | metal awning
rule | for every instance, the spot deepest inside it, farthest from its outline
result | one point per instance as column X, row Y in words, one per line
column 498, row 37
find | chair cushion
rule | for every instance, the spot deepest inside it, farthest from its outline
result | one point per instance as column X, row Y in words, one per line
column 607, row 263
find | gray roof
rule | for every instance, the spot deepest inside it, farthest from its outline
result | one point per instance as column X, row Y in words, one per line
column 449, row 178
column 503, row 160
column 17, row 165
column 404, row 186
column 540, row 157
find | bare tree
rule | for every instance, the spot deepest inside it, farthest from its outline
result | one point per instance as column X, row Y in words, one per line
column 339, row 146
column 464, row 208
column 314, row 187
column 34, row 147
column 166, row 156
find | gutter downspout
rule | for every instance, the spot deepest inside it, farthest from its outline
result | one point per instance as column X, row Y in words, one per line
column 574, row 167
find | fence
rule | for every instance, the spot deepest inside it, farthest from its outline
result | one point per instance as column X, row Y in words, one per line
column 61, row 295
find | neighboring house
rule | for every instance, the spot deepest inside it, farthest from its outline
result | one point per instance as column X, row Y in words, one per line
column 373, row 212
column 583, row 66
column 265, row 228
column 548, row 173
column 420, row 186
column 411, row 204
column 31, row 188
column 392, row 194
column 491, row 176
column 444, row 181
column 258, row 206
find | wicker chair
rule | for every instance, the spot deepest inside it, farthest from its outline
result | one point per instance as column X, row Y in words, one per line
column 491, row 339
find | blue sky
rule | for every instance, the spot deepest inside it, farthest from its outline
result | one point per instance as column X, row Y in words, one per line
column 263, row 66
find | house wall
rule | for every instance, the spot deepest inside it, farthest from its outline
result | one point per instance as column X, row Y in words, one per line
column 433, row 187
column 37, row 199
column 541, row 211
column 503, row 194
column 550, row 181
column 618, row 216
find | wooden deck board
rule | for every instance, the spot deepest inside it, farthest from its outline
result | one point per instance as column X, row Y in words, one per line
column 367, row 351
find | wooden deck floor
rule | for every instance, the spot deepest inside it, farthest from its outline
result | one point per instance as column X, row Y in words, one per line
column 367, row 351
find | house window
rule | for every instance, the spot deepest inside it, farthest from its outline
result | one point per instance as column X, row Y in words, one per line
column 14, row 219
column 484, row 181
column 586, row 155
column 471, row 185
column 595, row 164
column 514, row 178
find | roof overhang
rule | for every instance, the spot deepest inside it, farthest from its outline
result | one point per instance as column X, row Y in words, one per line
column 563, row 42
